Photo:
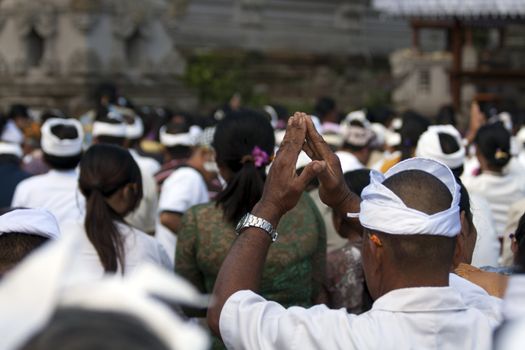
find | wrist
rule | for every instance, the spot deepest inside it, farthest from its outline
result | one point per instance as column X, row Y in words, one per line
column 268, row 212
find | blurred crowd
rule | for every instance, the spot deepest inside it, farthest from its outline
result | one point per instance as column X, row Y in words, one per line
column 115, row 227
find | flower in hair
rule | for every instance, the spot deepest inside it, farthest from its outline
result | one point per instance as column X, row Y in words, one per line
column 260, row 157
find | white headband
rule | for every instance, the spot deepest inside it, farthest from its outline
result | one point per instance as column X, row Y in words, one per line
column 53, row 145
column 38, row 222
column 357, row 136
column 382, row 210
column 11, row 148
column 108, row 129
column 12, row 133
column 171, row 140
column 429, row 146
column 135, row 130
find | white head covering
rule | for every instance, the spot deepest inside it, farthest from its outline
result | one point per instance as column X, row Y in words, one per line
column 11, row 148
column 38, row 222
column 136, row 130
column 119, row 129
column 53, row 145
column 428, row 146
column 182, row 139
column 49, row 268
column 382, row 210
column 12, row 133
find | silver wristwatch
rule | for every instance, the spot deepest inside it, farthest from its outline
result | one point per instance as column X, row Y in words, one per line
column 250, row 220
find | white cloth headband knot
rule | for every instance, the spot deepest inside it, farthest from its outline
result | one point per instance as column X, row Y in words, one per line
column 109, row 129
column 188, row 139
column 429, row 146
column 38, row 222
column 53, row 145
column 135, row 130
column 382, row 210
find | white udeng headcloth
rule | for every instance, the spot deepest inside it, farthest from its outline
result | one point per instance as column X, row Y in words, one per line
column 382, row 210
column 11, row 148
column 135, row 130
column 429, row 146
column 182, row 139
column 119, row 129
column 38, row 222
column 53, row 145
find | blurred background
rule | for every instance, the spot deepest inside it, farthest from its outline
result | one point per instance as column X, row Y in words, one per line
column 196, row 54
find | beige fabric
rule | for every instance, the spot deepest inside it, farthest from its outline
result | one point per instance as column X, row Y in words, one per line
column 515, row 212
column 333, row 240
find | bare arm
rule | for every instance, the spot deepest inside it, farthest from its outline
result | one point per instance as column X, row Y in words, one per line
column 242, row 268
column 171, row 220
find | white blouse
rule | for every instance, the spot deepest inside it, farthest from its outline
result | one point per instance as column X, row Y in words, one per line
column 138, row 248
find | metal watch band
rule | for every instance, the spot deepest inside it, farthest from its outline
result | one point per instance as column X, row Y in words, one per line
column 250, row 220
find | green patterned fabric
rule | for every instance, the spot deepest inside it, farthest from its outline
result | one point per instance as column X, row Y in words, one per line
column 295, row 266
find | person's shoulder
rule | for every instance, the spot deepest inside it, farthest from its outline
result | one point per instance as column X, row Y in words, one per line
column 184, row 172
column 35, row 181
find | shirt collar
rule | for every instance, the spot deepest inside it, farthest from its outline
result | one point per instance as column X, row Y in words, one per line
column 420, row 299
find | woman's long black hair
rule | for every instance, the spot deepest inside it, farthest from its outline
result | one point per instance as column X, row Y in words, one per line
column 104, row 170
column 236, row 138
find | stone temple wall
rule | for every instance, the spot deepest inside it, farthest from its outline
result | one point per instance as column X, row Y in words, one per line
column 54, row 52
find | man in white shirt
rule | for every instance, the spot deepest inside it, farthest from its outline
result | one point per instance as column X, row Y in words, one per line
column 183, row 188
column 57, row 190
column 406, row 269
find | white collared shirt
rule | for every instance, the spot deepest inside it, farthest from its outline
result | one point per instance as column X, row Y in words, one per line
column 144, row 217
column 349, row 162
column 410, row 318
column 183, row 189
column 500, row 190
column 56, row 191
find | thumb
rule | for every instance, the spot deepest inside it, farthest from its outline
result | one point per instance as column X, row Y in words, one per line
column 311, row 171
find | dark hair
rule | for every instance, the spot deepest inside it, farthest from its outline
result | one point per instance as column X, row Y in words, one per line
column 18, row 110
column 63, row 132
column 235, row 138
column 420, row 253
column 73, row 328
column 357, row 180
column 107, row 90
column 464, row 201
column 3, row 122
column 52, row 113
column 15, row 246
column 104, row 170
column 323, row 106
column 446, row 115
column 450, row 145
column 413, row 126
column 9, row 158
column 520, row 240
column 493, row 142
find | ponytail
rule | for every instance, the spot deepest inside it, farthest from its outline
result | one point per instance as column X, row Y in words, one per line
column 244, row 142
column 101, row 218
column 242, row 193
column 104, row 170
column 493, row 141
